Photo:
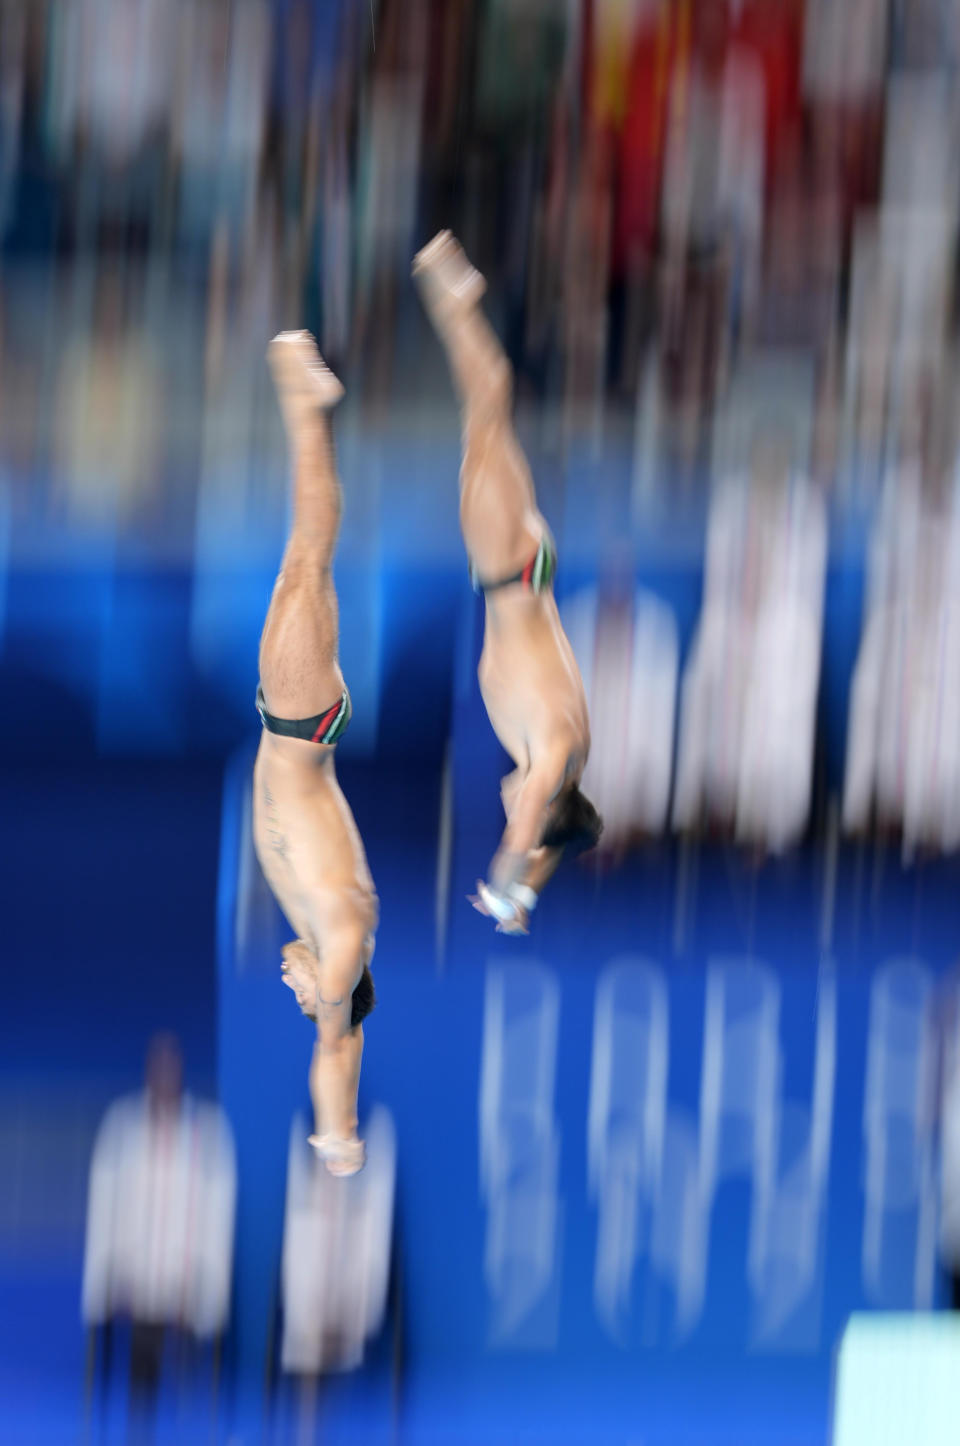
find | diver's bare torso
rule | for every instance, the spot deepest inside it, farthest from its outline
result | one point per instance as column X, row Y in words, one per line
column 530, row 682
column 308, row 844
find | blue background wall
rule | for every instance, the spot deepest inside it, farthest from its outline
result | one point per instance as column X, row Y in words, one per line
column 116, row 866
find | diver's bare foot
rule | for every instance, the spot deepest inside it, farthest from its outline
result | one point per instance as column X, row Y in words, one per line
column 302, row 378
column 447, row 281
column 341, row 1157
column 299, row 973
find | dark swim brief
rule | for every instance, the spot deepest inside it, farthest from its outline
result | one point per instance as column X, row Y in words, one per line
column 327, row 727
column 536, row 577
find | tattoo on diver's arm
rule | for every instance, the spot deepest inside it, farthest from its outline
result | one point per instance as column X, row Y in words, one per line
column 274, row 833
column 327, row 1011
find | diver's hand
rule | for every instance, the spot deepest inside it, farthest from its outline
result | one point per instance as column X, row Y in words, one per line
column 510, row 915
column 299, row 972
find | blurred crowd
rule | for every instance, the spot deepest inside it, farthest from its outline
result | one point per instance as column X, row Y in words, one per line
column 732, row 224
column 730, row 743
column 721, row 238
column 661, row 192
column 159, row 1256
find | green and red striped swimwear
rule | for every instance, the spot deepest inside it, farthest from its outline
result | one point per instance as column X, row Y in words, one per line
column 536, row 577
column 326, row 727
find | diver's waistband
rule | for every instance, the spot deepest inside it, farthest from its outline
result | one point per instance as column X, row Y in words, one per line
column 326, row 727
column 537, row 576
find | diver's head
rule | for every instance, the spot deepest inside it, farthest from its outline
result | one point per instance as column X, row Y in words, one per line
column 364, row 998
column 573, row 823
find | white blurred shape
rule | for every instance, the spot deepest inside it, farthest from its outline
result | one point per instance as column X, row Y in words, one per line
column 628, row 656
column 788, row 1221
column 337, row 1245
column 903, row 740
column 740, row 1078
column 775, row 776
column 160, row 1216
column 899, row 1184
column 519, row 1140
column 748, row 712
column 628, row 1098
column 681, row 1222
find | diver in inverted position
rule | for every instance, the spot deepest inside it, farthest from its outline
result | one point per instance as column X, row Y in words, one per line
column 529, row 679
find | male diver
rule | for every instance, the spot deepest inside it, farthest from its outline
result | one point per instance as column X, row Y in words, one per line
column 529, row 679
column 304, row 833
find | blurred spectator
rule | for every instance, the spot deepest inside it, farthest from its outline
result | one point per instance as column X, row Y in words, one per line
column 160, row 1220
column 337, row 1249
column 109, row 413
column 111, row 109
column 711, row 214
column 746, row 747
column 903, row 762
column 220, row 113
column 902, row 265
